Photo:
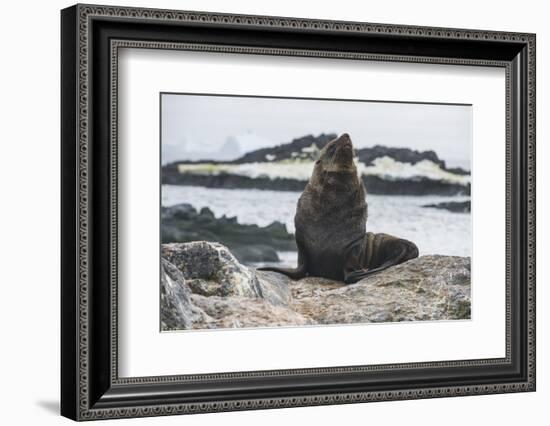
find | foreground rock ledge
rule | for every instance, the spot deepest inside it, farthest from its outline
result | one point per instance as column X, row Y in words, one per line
column 204, row 286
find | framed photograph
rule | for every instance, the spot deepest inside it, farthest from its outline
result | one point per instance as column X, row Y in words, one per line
column 263, row 212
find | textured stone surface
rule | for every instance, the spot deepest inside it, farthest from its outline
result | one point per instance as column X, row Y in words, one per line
column 240, row 312
column 427, row 288
column 214, row 291
column 211, row 270
column 214, row 267
column 178, row 311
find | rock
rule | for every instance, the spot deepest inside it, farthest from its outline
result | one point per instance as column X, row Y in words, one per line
column 374, row 184
column 403, row 155
column 177, row 309
column 275, row 288
column 241, row 312
column 206, row 215
column 224, row 220
column 225, row 293
column 249, row 243
column 452, row 206
column 457, row 171
column 211, row 270
column 419, row 186
column 426, row 288
column 180, row 211
column 299, row 147
column 215, row 266
column 171, row 176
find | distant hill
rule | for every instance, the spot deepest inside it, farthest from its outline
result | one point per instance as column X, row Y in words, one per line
column 307, row 147
column 287, row 167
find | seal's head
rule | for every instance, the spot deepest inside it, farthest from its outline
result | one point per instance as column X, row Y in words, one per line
column 335, row 170
column 337, row 156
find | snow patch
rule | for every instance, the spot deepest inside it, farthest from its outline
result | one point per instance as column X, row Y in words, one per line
column 313, row 148
column 388, row 168
column 298, row 170
column 301, row 169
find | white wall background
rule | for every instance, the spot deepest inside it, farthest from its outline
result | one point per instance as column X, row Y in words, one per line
column 29, row 217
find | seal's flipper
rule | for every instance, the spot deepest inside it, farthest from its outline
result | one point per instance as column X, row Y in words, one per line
column 388, row 251
column 293, row 273
column 355, row 276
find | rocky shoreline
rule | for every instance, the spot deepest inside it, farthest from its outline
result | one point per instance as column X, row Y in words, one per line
column 203, row 286
column 249, row 243
column 386, row 170
column 373, row 184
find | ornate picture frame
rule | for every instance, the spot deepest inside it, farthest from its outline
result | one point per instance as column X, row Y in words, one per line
column 91, row 37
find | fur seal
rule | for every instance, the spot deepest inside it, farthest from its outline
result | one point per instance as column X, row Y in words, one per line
column 331, row 221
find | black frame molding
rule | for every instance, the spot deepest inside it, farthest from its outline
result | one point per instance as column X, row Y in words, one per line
column 90, row 38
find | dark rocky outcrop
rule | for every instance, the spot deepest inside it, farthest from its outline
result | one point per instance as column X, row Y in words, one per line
column 417, row 186
column 452, row 206
column 287, row 151
column 457, row 171
column 217, row 292
column 249, row 243
column 373, row 184
column 403, row 155
column 171, row 176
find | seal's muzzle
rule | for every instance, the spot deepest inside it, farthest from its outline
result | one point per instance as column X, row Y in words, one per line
column 344, row 151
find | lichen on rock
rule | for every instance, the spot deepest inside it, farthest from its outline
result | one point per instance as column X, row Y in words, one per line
column 213, row 264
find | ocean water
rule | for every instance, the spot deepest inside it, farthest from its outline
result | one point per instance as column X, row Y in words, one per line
column 434, row 231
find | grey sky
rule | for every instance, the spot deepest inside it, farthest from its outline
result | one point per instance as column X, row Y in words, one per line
column 221, row 127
